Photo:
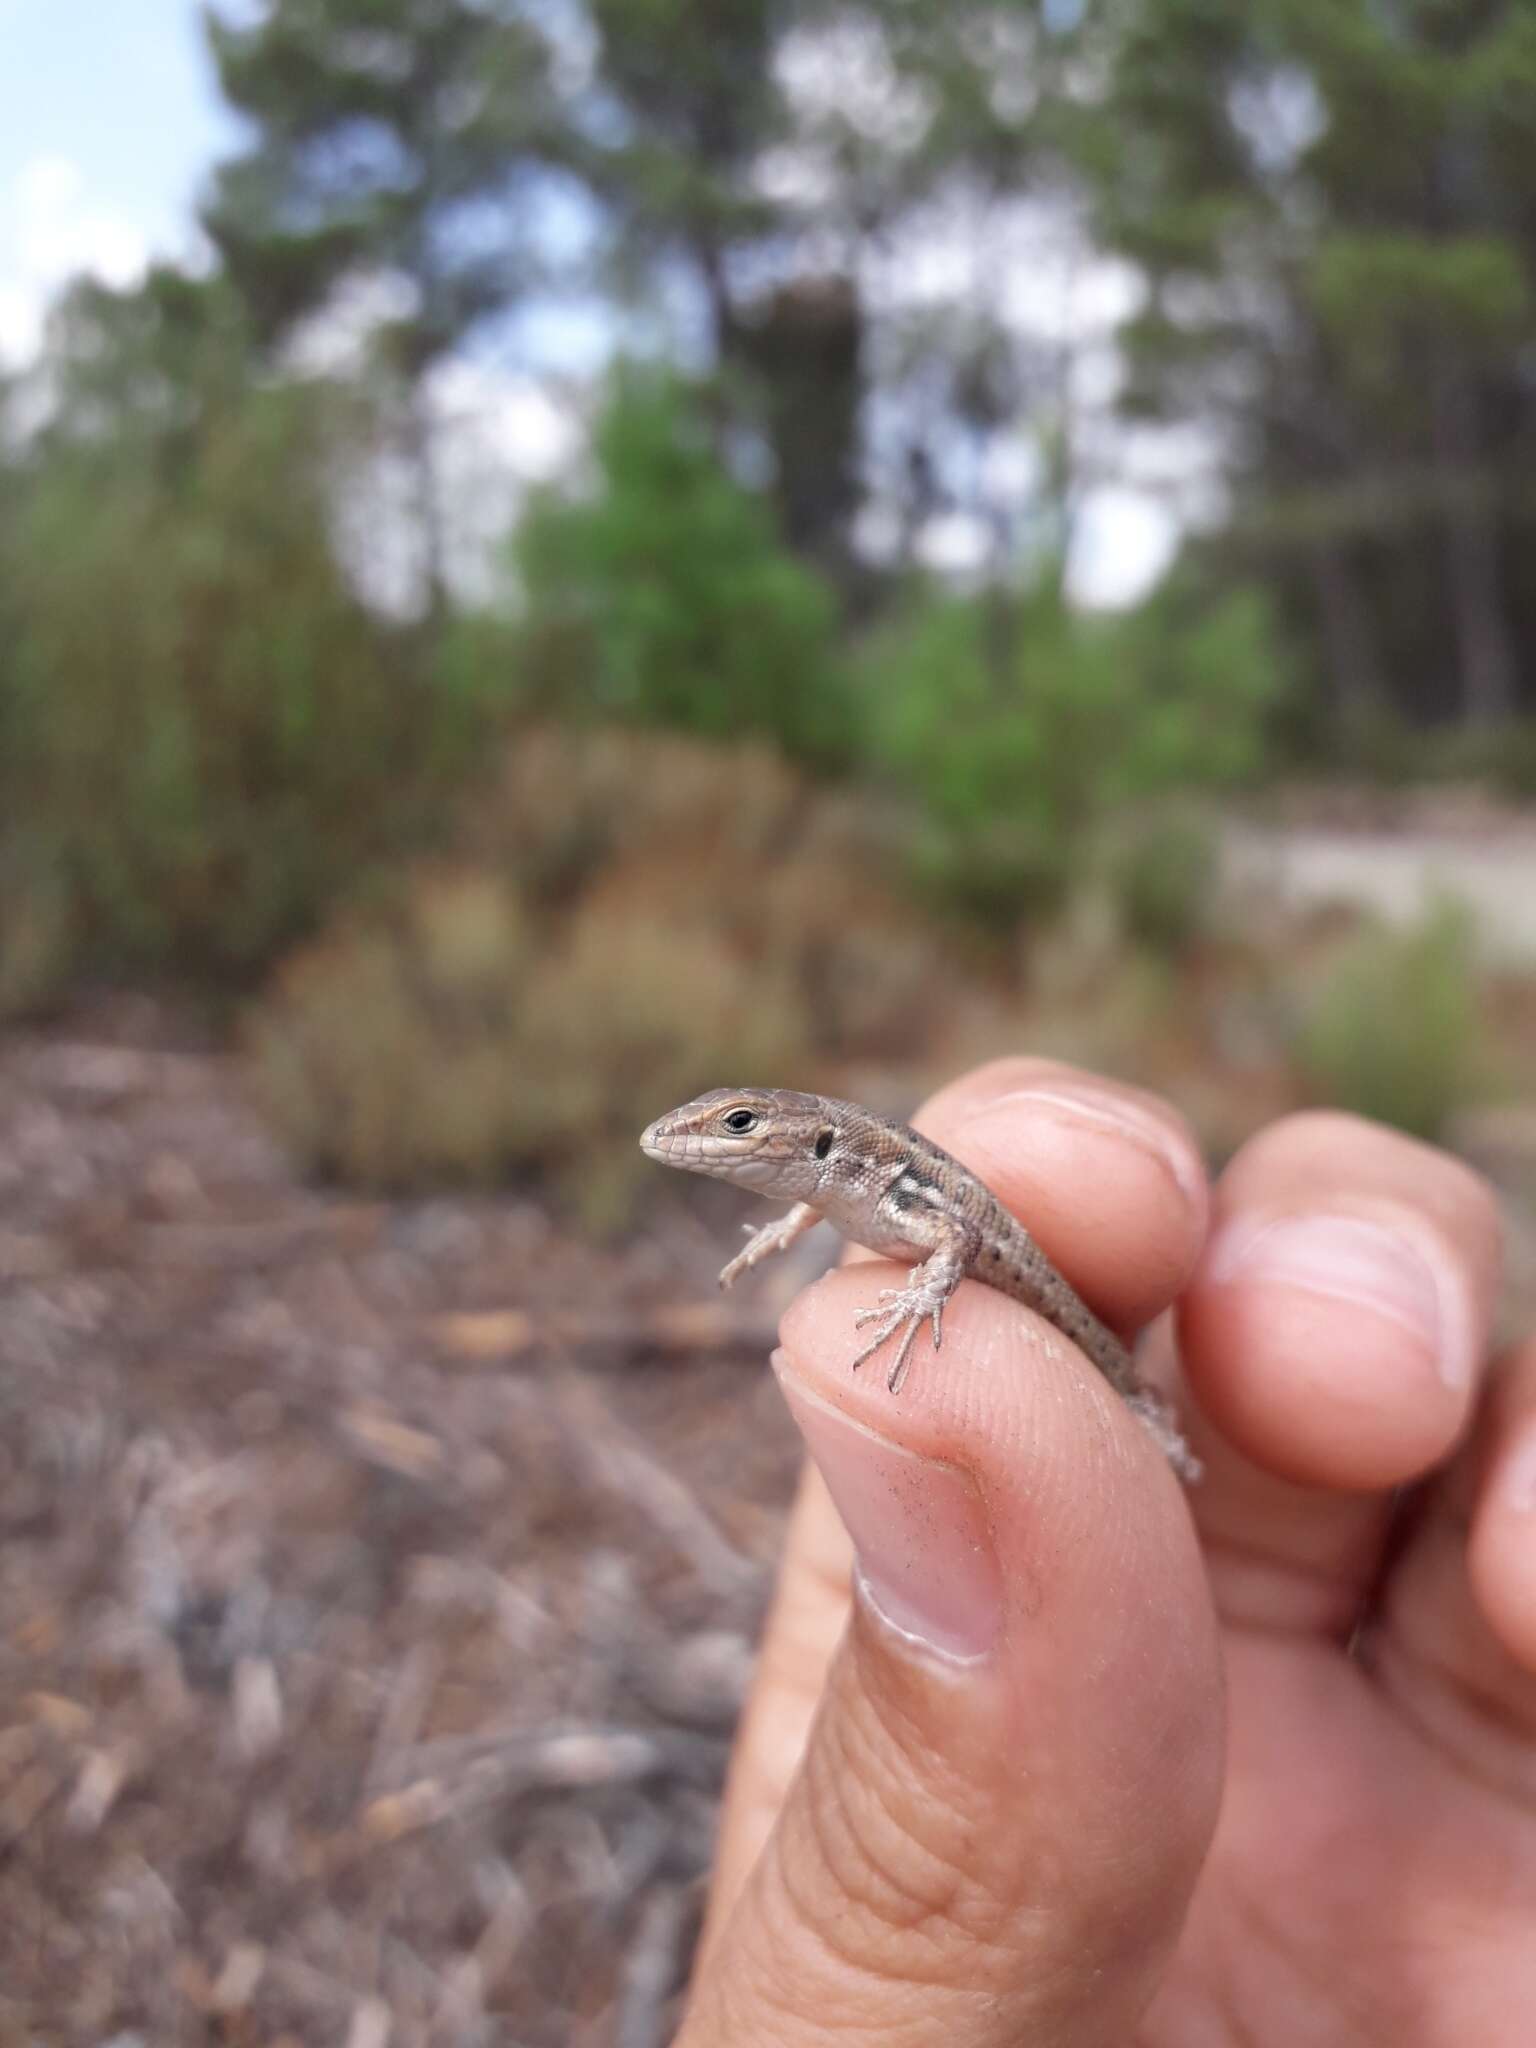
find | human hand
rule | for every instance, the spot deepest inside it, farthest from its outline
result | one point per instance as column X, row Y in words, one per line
column 993, row 1794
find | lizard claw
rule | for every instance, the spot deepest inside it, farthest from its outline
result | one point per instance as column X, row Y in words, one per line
column 887, row 1298
column 905, row 1309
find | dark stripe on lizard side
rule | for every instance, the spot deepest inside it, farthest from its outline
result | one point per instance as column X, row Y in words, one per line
column 912, row 1190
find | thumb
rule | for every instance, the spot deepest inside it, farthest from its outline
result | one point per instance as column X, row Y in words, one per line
column 1013, row 1774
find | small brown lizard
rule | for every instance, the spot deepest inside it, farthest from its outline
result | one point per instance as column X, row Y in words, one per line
column 888, row 1188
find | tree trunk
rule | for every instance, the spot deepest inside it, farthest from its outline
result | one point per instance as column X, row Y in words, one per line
column 1359, row 687
column 422, row 458
column 1484, row 643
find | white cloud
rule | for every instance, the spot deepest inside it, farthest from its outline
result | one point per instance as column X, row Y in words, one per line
column 334, row 342
column 508, row 423
column 1123, row 543
column 495, row 434
column 843, row 77
column 953, row 544
column 52, row 228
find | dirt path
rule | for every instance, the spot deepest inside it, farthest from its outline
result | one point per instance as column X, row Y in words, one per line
column 1398, row 875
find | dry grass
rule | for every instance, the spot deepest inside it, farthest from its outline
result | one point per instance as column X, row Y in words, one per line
column 630, row 918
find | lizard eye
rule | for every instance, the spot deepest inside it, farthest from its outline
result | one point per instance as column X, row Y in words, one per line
column 740, row 1120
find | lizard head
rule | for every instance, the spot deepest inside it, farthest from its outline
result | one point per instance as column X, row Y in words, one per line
column 764, row 1138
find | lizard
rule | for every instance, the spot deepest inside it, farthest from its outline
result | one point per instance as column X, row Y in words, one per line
column 885, row 1186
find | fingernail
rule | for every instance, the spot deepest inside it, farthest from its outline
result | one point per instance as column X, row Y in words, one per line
column 926, row 1563
column 1364, row 1263
column 1120, row 1119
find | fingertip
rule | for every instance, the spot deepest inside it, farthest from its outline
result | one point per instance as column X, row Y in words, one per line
column 1108, row 1179
column 1336, row 1326
column 1316, row 1393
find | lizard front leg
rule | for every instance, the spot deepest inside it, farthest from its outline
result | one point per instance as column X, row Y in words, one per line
column 773, row 1237
column 922, row 1300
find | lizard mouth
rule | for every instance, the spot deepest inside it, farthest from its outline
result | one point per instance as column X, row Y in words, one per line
column 664, row 1141
column 675, row 1145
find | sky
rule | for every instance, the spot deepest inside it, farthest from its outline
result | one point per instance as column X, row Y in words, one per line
column 109, row 124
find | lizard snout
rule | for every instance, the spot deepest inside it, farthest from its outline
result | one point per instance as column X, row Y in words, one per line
column 656, row 1140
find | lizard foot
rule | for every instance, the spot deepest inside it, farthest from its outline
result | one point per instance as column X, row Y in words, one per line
column 762, row 1244
column 773, row 1237
column 746, row 1258
column 905, row 1309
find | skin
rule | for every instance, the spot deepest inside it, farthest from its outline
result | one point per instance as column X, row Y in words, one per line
column 1252, row 1765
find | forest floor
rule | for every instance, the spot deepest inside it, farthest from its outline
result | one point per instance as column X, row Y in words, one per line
column 373, row 1617
column 378, row 1580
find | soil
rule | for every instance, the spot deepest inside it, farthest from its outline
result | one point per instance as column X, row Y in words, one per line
column 373, row 1618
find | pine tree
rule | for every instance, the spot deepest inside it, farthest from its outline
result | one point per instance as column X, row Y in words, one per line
column 399, row 144
column 1334, row 206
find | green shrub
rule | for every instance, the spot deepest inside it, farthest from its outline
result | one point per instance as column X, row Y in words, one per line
column 1022, row 726
column 1383, row 747
column 1162, row 878
column 38, row 940
column 200, row 719
column 1393, row 1029
column 664, row 597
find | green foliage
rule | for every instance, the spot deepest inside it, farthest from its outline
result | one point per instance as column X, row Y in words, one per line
column 1329, row 206
column 1023, row 725
column 392, row 141
column 1162, row 878
column 38, row 939
column 1393, row 1029
column 386, row 138
column 1386, row 749
column 1367, row 287
column 665, row 599
column 205, row 731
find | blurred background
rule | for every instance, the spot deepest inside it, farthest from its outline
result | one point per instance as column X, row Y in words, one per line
column 556, row 553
